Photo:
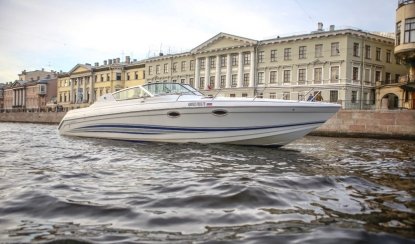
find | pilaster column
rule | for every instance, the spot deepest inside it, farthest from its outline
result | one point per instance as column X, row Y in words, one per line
column 252, row 72
column 24, row 97
column 20, row 97
column 72, row 93
column 240, row 70
column 77, row 90
column 228, row 70
column 217, row 77
column 197, row 75
column 14, row 98
column 84, row 97
column 207, row 73
column 91, row 88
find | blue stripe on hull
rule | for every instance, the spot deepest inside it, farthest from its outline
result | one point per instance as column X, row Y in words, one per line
column 153, row 130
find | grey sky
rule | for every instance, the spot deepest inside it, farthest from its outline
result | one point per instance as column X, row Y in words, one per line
column 58, row 34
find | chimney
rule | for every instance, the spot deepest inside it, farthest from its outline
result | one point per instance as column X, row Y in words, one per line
column 105, row 62
column 331, row 27
column 320, row 26
column 114, row 60
column 127, row 59
column 96, row 64
column 135, row 60
column 109, row 61
column 161, row 54
column 118, row 60
column 87, row 64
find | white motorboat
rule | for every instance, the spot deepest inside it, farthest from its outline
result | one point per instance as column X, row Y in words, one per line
column 172, row 112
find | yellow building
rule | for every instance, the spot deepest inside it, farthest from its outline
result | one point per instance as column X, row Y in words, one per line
column 85, row 83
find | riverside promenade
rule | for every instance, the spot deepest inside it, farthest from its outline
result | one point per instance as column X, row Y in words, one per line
column 398, row 124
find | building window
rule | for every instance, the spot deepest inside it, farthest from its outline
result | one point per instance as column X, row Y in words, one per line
column 318, row 72
column 118, row 76
column 287, row 53
column 234, row 59
column 174, row 67
column 183, row 81
column 157, row 69
column 301, row 76
column 247, row 58
column 273, row 77
column 302, row 52
column 398, row 33
column 234, row 80
column 102, row 77
column 354, row 96
column 286, row 95
column 244, row 94
column 355, row 73
column 367, row 51
column 378, row 75
column 150, row 70
column 108, row 77
column 222, row 81
column 202, row 63
column 212, row 82
column 192, row 65
column 388, row 78
column 260, row 78
column 319, row 50
column 223, row 61
column 212, row 62
column 287, row 76
column 397, row 78
column 273, row 55
column 409, row 35
column 232, row 95
column 192, row 82
column 335, row 74
column 334, row 96
column 183, row 66
column 335, row 51
column 166, row 68
column 378, row 53
column 272, row 95
column 202, row 82
column 260, row 56
column 388, row 56
column 356, row 49
column 246, row 80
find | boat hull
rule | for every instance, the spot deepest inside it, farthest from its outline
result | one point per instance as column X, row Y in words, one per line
column 249, row 124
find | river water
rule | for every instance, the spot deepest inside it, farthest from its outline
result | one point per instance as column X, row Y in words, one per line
column 315, row 190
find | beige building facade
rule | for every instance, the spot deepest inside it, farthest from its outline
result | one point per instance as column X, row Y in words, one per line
column 342, row 65
column 400, row 92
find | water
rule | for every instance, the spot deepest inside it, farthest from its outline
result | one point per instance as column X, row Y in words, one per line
column 315, row 190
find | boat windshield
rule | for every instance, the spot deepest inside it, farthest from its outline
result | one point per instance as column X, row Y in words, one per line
column 157, row 89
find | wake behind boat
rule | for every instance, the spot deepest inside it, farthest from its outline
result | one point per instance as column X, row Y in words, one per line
column 177, row 113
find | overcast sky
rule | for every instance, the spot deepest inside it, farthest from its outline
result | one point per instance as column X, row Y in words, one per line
column 58, row 34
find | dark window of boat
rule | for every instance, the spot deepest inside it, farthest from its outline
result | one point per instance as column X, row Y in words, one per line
column 220, row 112
column 173, row 114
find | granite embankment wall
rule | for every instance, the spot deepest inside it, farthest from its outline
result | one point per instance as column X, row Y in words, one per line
column 398, row 124
column 33, row 117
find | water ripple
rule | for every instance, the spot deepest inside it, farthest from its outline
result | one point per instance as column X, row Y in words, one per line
column 315, row 190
